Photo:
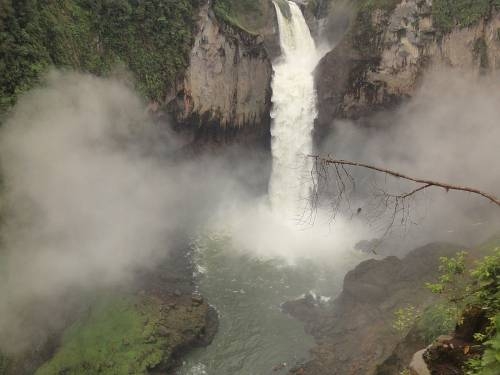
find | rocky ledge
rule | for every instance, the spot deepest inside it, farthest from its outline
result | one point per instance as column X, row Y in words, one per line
column 356, row 334
column 142, row 328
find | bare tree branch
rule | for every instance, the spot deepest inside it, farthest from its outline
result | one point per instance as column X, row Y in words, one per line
column 426, row 183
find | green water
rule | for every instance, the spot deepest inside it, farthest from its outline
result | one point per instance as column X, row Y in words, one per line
column 254, row 335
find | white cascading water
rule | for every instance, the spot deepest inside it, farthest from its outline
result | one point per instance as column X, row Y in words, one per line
column 294, row 111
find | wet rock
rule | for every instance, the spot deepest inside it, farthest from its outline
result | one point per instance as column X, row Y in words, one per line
column 305, row 309
column 355, row 335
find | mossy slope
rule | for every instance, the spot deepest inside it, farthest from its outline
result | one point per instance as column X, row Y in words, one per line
column 125, row 335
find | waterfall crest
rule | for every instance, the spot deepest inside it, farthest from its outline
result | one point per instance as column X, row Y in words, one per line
column 293, row 114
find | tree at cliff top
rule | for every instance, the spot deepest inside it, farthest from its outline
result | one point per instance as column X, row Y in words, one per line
column 151, row 38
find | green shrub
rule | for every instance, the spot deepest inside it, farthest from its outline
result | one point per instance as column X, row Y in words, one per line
column 478, row 288
column 489, row 363
column 448, row 14
column 405, row 318
column 487, row 283
column 439, row 319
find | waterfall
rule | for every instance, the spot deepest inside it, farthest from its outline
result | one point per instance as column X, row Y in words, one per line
column 294, row 111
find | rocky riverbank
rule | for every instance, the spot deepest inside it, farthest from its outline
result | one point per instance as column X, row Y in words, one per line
column 356, row 334
column 144, row 327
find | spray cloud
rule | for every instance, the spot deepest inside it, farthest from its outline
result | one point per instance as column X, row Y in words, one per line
column 447, row 132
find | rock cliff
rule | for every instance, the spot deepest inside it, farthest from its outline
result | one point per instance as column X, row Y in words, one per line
column 226, row 91
column 356, row 334
column 380, row 60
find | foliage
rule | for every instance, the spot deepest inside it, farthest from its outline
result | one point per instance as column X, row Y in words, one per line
column 437, row 320
column 152, row 38
column 386, row 5
column 490, row 362
column 404, row 318
column 487, row 283
column 247, row 15
column 366, row 35
column 434, row 321
column 116, row 338
column 448, row 14
column 478, row 288
column 454, row 280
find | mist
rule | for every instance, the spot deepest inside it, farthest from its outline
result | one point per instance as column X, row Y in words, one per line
column 447, row 132
column 94, row 190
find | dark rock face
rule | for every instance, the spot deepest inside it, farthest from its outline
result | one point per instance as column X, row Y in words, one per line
column 356, row 335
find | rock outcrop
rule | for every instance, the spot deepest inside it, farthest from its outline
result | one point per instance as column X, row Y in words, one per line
column 356, row 334
column 162, row 300
column 226, row 91
column 381, row 59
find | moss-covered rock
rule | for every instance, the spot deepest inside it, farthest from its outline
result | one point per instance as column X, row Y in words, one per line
column 127, row 335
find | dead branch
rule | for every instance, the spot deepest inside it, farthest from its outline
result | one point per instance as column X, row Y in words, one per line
column 425, row 183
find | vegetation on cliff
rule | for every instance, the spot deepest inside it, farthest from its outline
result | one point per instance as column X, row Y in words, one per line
column 125, row 335
column 371, row 5
column 472, row 304
column 448, row 14
column 151, row 38
column 247, row 15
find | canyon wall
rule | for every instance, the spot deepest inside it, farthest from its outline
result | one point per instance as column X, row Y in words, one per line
column 380, row 60
column 225, row 94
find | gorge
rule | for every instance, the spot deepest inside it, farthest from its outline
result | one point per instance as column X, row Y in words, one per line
column 161, row 212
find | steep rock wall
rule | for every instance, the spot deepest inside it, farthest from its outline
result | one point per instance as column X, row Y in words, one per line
column 380, row 60
column 225, row 95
